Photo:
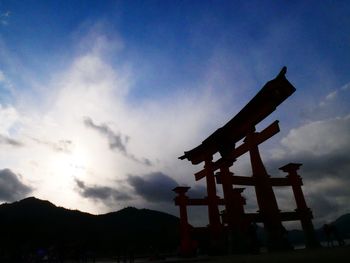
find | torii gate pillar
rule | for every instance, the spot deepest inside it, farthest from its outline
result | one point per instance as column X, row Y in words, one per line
column 302, row 209
column 213, row 209
column 186, row 247
column 234, row 204
column 266, row 199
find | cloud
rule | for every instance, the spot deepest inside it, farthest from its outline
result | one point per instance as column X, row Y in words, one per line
column 9, row 117
column 2, row 77
column 345, row 87
column 323, row 147
column 4, row 17
column 10, row 141
column 64, row 146
column 116, row 141
column 319, row 138
column 332, row 95
column 101, row 193
column 153, row 187
column 11, row 187
column 329, row 98
column 334, row 103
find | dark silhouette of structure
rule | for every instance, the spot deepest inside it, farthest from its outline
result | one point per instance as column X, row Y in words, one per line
column 235, row 223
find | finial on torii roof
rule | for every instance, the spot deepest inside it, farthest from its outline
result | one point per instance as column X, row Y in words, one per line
column 282, row 72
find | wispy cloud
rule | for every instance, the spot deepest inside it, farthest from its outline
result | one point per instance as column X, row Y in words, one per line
column 2, row 77
column 4, row 18
column 116, row 141
column 64, row 146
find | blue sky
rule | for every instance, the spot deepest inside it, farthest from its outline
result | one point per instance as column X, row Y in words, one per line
column 110, row 93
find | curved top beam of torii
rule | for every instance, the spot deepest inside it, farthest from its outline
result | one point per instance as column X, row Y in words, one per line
column 272, row 94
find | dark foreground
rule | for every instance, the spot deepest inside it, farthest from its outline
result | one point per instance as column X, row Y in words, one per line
column 329, row 255
column 326, row 255
column 321, row 255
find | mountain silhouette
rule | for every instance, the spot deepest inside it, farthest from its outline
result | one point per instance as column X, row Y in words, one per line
column 32, row 223
column 342, row 225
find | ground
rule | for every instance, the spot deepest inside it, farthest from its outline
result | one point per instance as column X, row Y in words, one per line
column 329, row 255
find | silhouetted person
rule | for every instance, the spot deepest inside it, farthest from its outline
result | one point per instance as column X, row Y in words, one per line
column 328, row 234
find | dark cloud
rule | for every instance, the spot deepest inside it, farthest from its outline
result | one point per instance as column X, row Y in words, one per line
column 101, row 193
column 64, row 146
column 153, row 187
column 334, row 165
column 6, row 140
column 116, row 141
column 11, row 188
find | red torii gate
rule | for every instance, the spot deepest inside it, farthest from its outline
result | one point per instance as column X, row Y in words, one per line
column 224, row 140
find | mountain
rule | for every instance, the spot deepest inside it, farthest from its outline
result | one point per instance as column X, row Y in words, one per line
column 33, row 223
column 342, row 225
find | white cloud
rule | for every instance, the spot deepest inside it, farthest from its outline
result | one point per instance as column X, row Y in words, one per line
column 346, row 86
column 332, row 95
column 330, row 99
column 319, row 137
column 9, row 119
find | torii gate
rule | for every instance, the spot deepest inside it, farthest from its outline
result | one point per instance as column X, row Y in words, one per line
column 224, row 140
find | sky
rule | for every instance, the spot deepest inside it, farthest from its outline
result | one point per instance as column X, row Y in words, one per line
column 98, row 99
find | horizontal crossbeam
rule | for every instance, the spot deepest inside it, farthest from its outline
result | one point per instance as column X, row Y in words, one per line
column 284, row 216
column 245, row 180
column 200, row 201
column 260, row 137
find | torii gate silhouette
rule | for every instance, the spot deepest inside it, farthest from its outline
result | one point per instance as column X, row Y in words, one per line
column 236, row 222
